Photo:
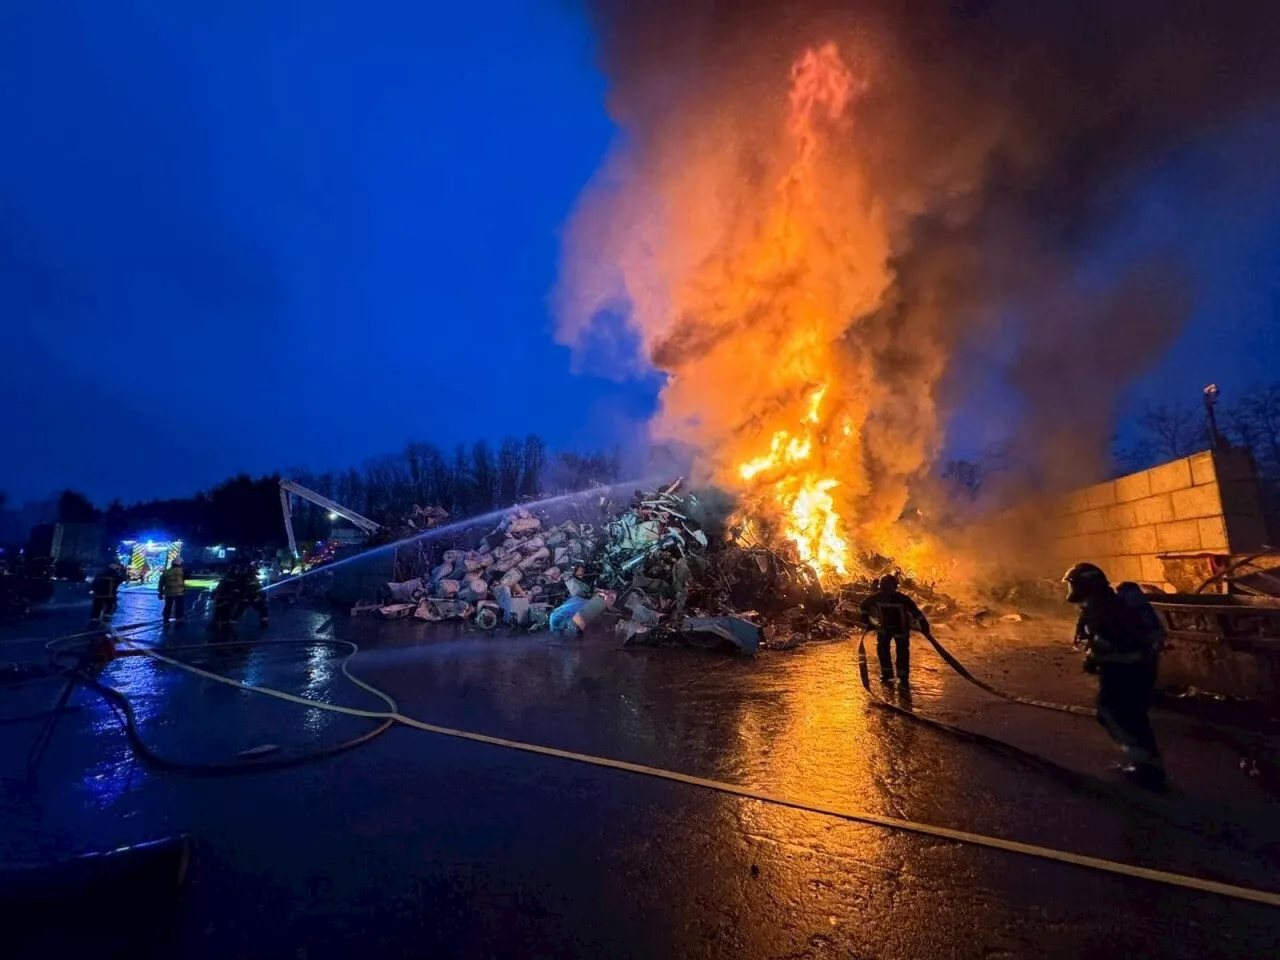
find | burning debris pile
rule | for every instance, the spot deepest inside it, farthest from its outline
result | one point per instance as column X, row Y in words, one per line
column 667, row 570
column 683, row 578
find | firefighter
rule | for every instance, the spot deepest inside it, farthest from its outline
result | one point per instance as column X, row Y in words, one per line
column 226, row 599
column 892, row 614
column 106, row 585
column 173, row 591
column 1122, row 637
column 250, row 594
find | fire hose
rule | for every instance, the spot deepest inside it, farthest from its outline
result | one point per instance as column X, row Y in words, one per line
column 392, row 715
column 252, row 761
column 959, row 668
column 1045, row 765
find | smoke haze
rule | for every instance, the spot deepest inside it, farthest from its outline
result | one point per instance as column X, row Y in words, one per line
column 935, row 176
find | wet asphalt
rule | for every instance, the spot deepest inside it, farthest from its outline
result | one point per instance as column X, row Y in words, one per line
column 417, row 845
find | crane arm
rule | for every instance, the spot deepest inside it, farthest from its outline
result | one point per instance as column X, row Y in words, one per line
column 288, row 486
column 288, row 521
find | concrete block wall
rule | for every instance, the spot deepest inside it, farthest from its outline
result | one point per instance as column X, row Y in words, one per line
column 1205, row 503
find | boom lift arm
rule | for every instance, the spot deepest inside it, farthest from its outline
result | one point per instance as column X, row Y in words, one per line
column 288, row 486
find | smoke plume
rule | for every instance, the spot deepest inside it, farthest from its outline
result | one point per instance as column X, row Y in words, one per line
column 813, row 206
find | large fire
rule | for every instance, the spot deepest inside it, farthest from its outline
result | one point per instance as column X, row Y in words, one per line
column 794, row 480
column 809, row 517
column 754, row 255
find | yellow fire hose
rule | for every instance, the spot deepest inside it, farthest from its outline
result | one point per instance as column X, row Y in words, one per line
column 393, row 714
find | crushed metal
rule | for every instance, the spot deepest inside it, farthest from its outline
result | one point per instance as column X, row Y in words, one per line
column 667, row 571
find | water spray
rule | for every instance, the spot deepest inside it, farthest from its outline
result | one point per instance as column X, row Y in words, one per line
column 459, row 525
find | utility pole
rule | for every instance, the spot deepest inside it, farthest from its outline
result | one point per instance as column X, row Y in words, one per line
column 1218, row 441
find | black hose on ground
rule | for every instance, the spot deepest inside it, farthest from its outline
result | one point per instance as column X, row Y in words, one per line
column 959, row 668
column 1056, row 771
column 248, row 764
column 123, row 709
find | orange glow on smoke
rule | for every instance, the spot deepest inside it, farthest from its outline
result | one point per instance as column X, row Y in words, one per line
column 743, row 230
column 788, row 481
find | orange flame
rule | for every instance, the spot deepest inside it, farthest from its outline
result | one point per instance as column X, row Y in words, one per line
column 811, row 521
column 754, row 256
column 820, row 84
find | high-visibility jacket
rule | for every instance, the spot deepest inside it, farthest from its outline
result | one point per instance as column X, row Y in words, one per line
column 171, row 583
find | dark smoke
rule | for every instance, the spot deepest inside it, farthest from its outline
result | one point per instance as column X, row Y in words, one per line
column 1003, row 139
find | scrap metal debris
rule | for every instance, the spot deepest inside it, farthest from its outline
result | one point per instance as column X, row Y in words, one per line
column 517, row 574
column 666, row 570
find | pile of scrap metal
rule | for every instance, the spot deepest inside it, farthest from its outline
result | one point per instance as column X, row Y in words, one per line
column 669, row 569
column 683, row 578
column 518, row 574
column 406, row 525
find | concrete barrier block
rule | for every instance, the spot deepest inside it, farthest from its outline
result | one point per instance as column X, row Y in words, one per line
column 1195, row 502
column 1213, row 533
column 1122, row 516
column 1202, row 468
column 1119, row 569
column 1076, row 501
column 1073, row 549
column 1179, row 535
column 1157, row 509
column 1152, row 570
column 1101, row 495
column 1139, row 540
column 1092, row 521
column 1170, row 476
column 1101, row 545
column 1133, row 487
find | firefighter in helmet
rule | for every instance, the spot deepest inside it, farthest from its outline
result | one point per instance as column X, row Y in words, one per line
column 106, row 586
column 892, row 615
column 250, row 594
column 226, row 599
column 172, row 588
column 1122, row 637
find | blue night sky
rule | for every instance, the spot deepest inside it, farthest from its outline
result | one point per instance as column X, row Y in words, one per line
column 244, row 235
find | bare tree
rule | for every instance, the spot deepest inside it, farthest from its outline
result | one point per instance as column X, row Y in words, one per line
column 75, row 507
column 570, row 471
column 1165, row 432
column 534, row 458
column 1175, row 431
column 1254, row 422
column 437, row 473
column 351, row 490
column 416, row 457
column 460, row 491
column 510, row 462
column 388, row 485
column 484, row 476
